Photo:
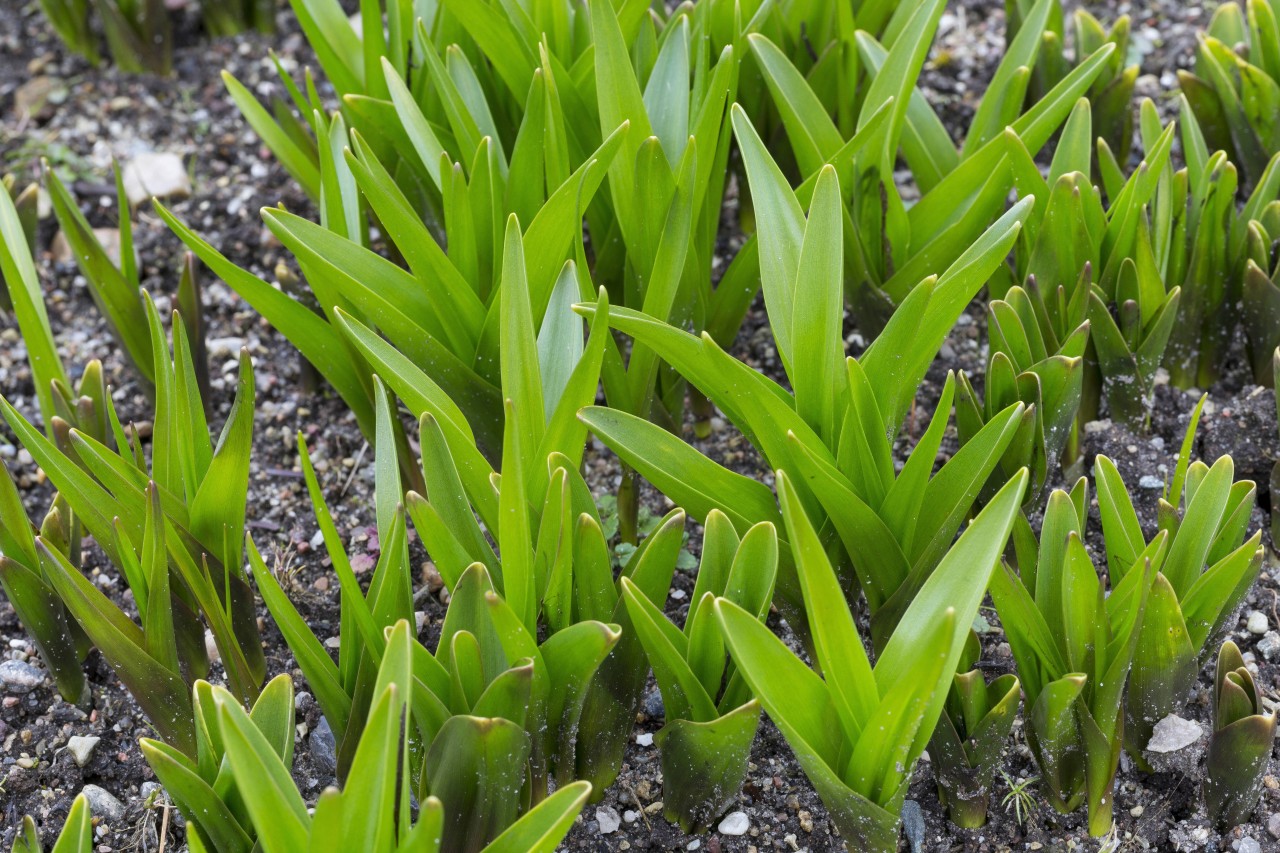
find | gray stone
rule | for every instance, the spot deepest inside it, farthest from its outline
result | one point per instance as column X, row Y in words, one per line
column 1273, row 825
column 1149, row 481
column 1248, row 845
column 608, row 819
column 913, row 825
column 653, row 707
column 1269, row 645
column 81, row 748
column 155, row 174
column 324, row 748
column 1172, row 734
column 735, row 823
column 18, row 676
column 1257, row 623
column 103, row 804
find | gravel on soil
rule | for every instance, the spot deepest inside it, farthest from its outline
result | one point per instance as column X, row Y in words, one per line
column 80, row 119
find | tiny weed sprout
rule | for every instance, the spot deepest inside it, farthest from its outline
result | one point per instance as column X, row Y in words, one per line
column 970, row 737
column 857, row 730
column 1020, row 801
column 1239, row 744
column 1073, row 645
column 711, row 716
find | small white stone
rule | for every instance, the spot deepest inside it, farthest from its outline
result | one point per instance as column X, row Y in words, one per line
column 1172, row 734
column 630, row 816
column 81, row 748
column 735, row 823
column 158, row 174
column 645, row 739
column 608, row 819
column 693, row 845
column 1257, row 623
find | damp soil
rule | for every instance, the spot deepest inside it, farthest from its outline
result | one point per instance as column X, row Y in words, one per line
column 94, row 115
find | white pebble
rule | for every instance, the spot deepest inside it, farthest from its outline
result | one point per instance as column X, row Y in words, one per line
column 1257, row 623
column 608, row 820
column 735, row 823
column 645, row 739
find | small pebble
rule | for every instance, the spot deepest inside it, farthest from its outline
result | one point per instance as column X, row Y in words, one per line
column 1150, row 482
column 645, row 739
column 1257, row 623
column 102, row 803
column 1248, row 845
column 608, row 819
column 81, row 748
column 735, row 823
column 19, row 676
column 1269, row 645
column 1172, row 734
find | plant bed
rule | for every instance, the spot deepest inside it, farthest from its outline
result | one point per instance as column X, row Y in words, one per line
column 102, row 113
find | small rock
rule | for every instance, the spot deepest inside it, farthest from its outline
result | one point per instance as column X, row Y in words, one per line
column 1257, row 623
column 1273, row 825
column 158, row 174
column 103, row 804
column 81, row 748
column 1172, row 734
column 35, row 98
column 1248, row 845
column 630, row 816
column 913, row 825
column 653, row 707
column 229, row 348
column 1269, row 645
column 20, row 677
column 1149, row 481
column 735, row 823
column 108, row 237
column 645, row 739
column 609, row 820
column 324, row 748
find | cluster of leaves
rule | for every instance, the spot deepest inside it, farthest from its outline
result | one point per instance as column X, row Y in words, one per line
column 139, row 33
column 1100, row 667
column 1111, row 93
column 528, row 165
column 1234, row 87
column 172, row 527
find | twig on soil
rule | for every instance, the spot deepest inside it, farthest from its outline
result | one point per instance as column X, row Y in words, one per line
column 635, row 798
column 354, row 469
column 164, row 826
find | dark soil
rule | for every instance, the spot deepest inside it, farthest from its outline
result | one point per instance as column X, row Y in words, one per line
column 100, row 114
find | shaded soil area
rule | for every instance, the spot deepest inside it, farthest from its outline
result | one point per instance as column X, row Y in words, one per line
column 94, row 115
